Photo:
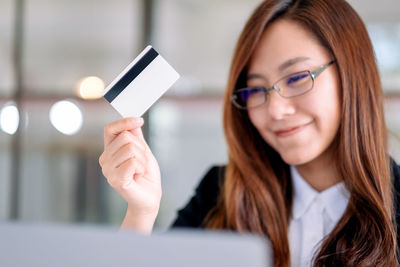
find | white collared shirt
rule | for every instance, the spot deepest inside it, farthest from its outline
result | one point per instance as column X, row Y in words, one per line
column 314, row 216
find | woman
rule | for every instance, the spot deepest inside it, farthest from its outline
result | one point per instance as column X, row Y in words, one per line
column 308, row 162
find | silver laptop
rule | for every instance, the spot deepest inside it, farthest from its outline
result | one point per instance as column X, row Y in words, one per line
column 48, row 245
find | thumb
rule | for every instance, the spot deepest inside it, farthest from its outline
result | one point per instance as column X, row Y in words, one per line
column 139, row 133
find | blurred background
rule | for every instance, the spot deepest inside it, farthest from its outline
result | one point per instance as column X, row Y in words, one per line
column 56, row 57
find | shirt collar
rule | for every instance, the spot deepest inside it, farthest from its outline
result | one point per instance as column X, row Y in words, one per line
column 334, row 198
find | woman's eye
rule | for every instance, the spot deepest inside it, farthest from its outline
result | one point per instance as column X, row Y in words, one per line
column 296, row 78
column 257, row 90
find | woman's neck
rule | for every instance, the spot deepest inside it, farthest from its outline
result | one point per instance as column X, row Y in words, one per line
column 321, row 173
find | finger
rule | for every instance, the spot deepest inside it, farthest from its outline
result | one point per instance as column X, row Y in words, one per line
column 128, row 169
column 123, row 139
column 126, row 152
column 113, row 129
column 101, row 159
column 139, row 134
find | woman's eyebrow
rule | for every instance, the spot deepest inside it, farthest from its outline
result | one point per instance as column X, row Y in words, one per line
column 255, row 76
column 281, row 68
column 291, row 62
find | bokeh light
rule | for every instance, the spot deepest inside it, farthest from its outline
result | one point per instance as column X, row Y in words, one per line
column 91, row 87
column 66, row 117
column 9, row 118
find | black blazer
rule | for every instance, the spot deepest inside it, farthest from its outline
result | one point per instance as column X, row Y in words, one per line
column 206, row 195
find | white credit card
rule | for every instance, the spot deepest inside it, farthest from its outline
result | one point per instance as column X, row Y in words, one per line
column 141, row 84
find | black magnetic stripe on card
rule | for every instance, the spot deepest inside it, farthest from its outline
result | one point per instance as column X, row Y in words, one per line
column 131, row 75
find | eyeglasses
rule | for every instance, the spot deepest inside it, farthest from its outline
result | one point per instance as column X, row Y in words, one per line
column 295, row 84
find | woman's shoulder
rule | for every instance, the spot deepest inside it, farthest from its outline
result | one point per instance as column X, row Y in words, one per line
column 209, row 187
column 204, row 199
column 395, row 168
column 212, row 181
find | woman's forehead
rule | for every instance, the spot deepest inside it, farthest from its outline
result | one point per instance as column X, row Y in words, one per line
column 285, row 43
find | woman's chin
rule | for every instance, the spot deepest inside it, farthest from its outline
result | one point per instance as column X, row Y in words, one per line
column 296, row 158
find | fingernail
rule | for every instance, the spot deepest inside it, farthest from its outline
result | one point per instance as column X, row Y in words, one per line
column 137, row 119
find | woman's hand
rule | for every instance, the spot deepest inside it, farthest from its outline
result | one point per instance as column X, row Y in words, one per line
column 132, row 170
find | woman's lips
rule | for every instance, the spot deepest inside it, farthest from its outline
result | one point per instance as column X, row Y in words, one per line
column 290, row 131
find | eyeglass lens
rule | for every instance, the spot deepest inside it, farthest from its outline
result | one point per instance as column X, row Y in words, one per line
column 289, row 86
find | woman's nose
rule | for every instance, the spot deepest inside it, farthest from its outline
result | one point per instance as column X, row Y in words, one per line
column 278, row 106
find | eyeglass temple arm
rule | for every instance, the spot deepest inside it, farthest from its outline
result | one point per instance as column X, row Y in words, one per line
column 318, row 71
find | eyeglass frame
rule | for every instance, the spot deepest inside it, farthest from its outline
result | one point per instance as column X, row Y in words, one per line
column 313, row 74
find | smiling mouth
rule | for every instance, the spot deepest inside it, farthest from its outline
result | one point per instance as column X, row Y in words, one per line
column 290, row 131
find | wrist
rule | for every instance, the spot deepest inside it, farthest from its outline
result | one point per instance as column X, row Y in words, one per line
column 142, row 223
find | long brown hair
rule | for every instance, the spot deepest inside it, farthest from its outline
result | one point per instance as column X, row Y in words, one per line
column 257, row 191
